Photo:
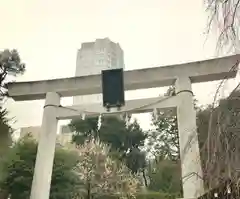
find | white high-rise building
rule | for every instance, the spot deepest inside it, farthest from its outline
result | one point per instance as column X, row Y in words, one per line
column 92, row 58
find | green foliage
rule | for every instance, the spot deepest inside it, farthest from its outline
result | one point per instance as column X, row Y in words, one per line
column 165, row 177
column 65, row 183
column 135, row 160
column 84, row 129
column 163, row 145
column 10, row 64
column 124, row 139
column 164, row 171
column 156, row 195
column 203, row 117
column 113, row 131
column 18, row 168
column 163, row 141
column 218, row 132
column 5, row 132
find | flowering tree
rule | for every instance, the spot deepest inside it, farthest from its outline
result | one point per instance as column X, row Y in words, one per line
column 102, row 175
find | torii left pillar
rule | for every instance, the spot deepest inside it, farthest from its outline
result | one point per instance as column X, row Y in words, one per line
column 46, row 148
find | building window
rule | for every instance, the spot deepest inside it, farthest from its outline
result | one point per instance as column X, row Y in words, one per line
column 100, row 62
column 114, row 61
column 100, row 51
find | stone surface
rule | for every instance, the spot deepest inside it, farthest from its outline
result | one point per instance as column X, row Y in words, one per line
column 46, row 149
column 200, row 71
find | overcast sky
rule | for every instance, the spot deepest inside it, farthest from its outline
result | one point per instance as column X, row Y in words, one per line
column 152, row 33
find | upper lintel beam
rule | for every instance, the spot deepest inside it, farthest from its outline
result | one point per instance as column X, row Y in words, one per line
column 201, row 71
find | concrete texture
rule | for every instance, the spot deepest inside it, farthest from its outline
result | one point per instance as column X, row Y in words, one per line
column 46, row 149
column 200, row 71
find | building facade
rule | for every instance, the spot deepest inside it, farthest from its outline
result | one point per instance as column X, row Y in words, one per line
column 92, row 58
column 32, row 131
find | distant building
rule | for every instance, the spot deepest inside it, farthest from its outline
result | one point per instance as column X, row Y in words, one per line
column 33, row 131
column 64, row 129
column 93, row 57
column 65, row 135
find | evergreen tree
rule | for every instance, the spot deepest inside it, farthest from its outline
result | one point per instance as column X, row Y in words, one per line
column 10, row 65
column 17, row 171
column 163, row 141
column 124, row 138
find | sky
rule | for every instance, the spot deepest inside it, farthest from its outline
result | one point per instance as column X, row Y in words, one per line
column 151, row 33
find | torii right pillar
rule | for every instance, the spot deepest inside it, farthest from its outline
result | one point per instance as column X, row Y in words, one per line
column 192, row 176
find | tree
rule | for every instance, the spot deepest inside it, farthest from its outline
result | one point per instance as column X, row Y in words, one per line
column 102, row 175
column 218, row 130
column 18, row 168
column 113, row 131
column 164, row 170
column 163, row 147
column 123, row 137
column 165, row 177
column 10, row 65
column 5, row 133
column 84, row 129
column 163, row 141
column 224, row 15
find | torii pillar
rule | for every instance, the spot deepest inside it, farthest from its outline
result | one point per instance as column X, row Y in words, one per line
column 182, row 75
column 46, row 148
column 192, row 176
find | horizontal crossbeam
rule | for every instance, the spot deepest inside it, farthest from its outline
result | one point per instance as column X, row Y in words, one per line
column 131, row 107
column 200, row 71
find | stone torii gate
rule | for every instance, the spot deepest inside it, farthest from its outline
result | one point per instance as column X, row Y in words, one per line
column 182, row 75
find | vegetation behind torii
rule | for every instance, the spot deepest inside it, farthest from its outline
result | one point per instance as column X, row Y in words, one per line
column 152, row 157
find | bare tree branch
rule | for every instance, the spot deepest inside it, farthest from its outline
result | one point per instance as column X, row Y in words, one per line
column 224, row 16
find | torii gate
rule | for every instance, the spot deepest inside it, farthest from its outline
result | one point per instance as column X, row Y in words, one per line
column 182, row 75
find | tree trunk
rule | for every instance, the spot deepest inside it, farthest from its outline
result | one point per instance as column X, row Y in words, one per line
column 144, row 177
column 88, row 190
